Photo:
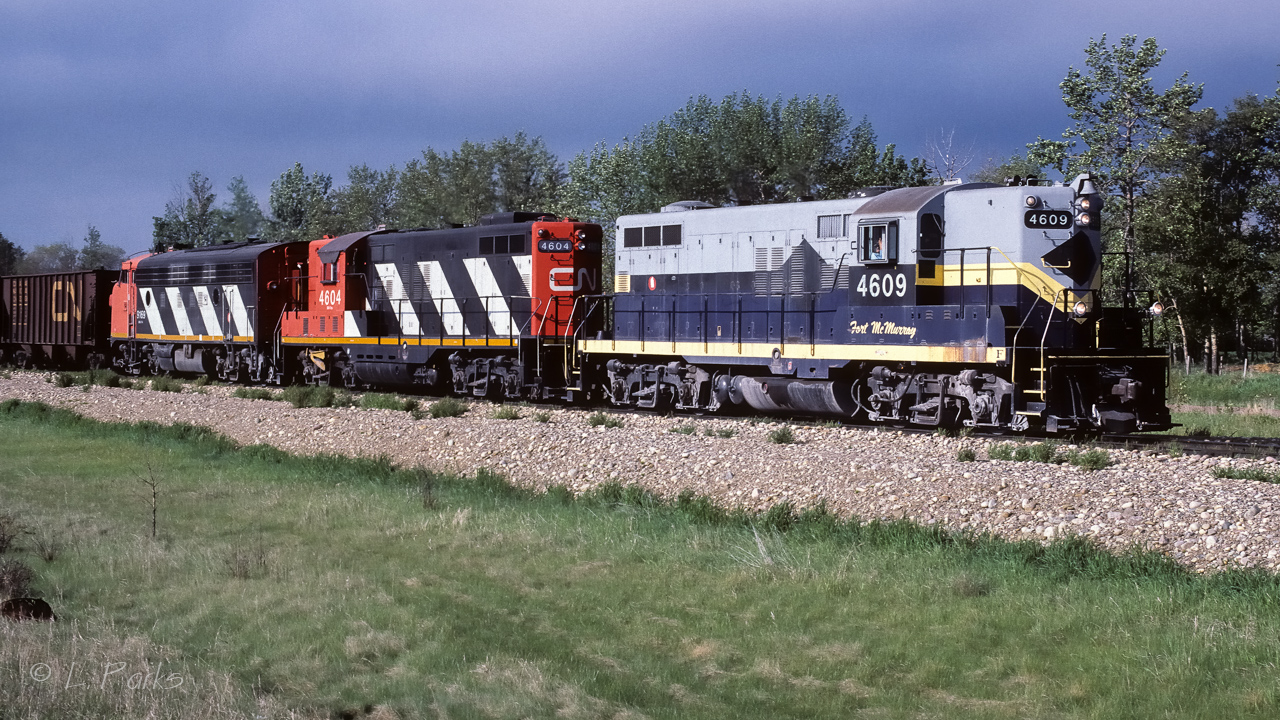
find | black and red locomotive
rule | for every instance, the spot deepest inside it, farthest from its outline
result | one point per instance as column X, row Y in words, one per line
column 956, row 304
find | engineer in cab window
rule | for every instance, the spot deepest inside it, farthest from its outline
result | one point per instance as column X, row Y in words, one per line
column 875, row 245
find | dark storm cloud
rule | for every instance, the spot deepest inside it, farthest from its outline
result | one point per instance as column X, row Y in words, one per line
column 106, row 108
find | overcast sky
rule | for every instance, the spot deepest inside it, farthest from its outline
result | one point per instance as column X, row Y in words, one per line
column 106, row 107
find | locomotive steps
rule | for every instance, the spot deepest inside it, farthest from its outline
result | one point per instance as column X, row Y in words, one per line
column 1172, row 505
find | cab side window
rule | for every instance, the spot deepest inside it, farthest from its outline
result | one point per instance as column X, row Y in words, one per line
column 878, row 242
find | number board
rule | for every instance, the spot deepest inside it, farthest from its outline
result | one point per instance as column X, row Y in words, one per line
column 1048, row 219
column 875, row 286
column 551, row 246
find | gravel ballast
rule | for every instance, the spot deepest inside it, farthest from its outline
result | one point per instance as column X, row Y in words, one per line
column 1173, row 505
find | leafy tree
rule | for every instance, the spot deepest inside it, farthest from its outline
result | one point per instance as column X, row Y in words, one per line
column 97, row 254
column 241, row 216
column 54, row 257
column 997, row 171
column 368, row 200
column 1124, row 125
column 11, row 256
column 506, row 175
column 1207, row 245
column 189, row 220
column 302, row 207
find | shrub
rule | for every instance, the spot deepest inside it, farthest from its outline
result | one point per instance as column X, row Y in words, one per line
column 63, row 380
column 163, row 383
column 1000, row 451
column 201, row 381
column 15, row 578
column 113, row 380
column 683, row 429
column 253, row 393
column 303, row 396
column 720, row 432
column 447, row 408
column 542, row 417
column 1094, row 459
column 782, row 436
column 598, row 418
column 384, row 401
column 506, row 412
column 966, row 454
column 1255, row 474
column 10, row 530
column 1039, row 452
column 47, row 546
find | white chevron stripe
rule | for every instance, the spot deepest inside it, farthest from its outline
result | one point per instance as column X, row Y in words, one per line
column 147, row 297
column 239, row 314
column 389, row 275
column 489, row 293
column 349, row 327
column 442, row 296
column 179, row 311
column 208, row 312
column 524, row 265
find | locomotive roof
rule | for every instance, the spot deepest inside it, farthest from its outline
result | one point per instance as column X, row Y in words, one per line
column 209, row 255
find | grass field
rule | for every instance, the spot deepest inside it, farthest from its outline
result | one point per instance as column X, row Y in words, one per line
column 331, row 588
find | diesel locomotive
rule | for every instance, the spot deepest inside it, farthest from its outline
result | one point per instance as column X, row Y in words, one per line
column 959, row 304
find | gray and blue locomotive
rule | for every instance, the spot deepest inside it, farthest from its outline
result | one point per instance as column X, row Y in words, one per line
column 973, row 304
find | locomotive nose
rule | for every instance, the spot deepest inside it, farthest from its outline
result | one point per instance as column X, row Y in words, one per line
column 1075, row 258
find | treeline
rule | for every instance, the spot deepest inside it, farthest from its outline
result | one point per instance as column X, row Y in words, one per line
column 1193, row 198
column 60, row 256
column 739, row 150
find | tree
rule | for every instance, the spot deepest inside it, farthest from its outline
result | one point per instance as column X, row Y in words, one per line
column 97, row 254
column 947, row 160
column 1206, row 243
column 54, row 257
column 189, row 220
column 368, row 200
column 11, row 256
column 241, row 216
column 1124, row 124
column 302, row 207
column 509, row 174
column 998, row 171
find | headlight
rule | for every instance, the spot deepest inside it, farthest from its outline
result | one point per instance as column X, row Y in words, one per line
column 1032, row 201
column 1080, row 309
column 1085, row 204
column 542, row 233
column 582, row 234
column 1157, row 309
column 1083, row 218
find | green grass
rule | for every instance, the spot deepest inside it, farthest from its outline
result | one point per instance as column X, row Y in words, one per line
column 683, row 429
column 385, row 401
column 1226, row 424
column 782, row 436
column 1257, row 474
column 599, row 419
column 723, row 433
column 1044, row 452
column 447, row 407
column 163, row 383
column 1228, row 389
column 507, row 412
column 542, row 416
column 327, row 585
column 252, row 393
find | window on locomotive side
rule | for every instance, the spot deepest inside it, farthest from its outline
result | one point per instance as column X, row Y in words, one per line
column 330, row 275
column 878, row 242
column 632, row 237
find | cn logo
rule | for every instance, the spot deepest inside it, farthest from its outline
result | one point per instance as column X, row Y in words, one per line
column 584, row 279
column 653, row 283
